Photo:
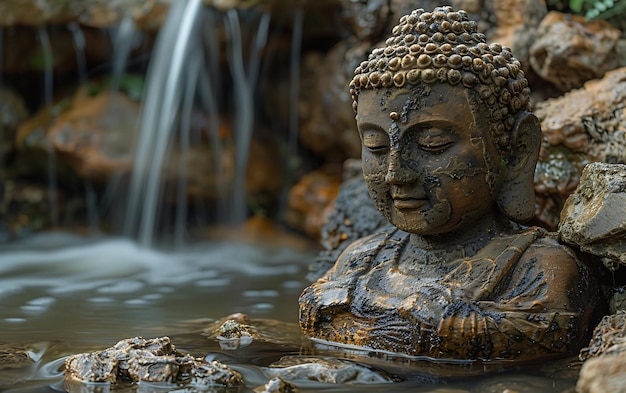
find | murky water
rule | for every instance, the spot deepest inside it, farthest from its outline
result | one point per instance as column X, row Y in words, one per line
column 62, row 295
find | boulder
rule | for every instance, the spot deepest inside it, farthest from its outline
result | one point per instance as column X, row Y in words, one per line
column 604, row 370
column 147, row 360
column 594, row 216
column 582, row 126
column 569, row 50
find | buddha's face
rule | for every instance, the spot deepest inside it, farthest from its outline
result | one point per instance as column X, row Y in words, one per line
column 423, row 158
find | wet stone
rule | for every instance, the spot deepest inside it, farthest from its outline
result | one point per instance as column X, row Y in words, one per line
column 14, row 356
column 147, row 360
column 326, row 370
column 589, row 218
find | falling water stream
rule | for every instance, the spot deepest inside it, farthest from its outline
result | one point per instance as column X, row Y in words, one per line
column 62, row 294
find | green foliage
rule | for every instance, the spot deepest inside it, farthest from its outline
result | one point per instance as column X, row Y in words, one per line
column 592, row 9
column 605, row 9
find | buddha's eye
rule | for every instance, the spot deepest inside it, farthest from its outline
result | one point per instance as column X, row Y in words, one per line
column 434, row 143
column 435, row 148
column 376, row 142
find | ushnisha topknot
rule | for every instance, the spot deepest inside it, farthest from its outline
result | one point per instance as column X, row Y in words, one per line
column 445, row 46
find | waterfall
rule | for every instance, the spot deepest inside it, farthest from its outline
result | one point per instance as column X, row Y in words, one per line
column 46, row 48
column 79, row 47
column 200, row 93
column 244, row 81
column 122, row 45
column 168, row 69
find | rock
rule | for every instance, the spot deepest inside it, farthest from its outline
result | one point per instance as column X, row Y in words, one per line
column 276, row 385
column 90, row 133
column 605, row 374
column 310, row 201
column 593, row 217
column 556, row 176
column 236, row 328
column 147, row 360
column 516, row 25
column 618, row 299
column 572, row 119
column 604, row 370
column 14, row 356
column 27, row 208
column 25, row 60
column 325, row 370
column 569, row 50
column 609, row 337
column 327, row 119
column 12, row 112
column 235, row 331
column 15, row 365
column 90, row 12
column 582, row 126
column 354, row 216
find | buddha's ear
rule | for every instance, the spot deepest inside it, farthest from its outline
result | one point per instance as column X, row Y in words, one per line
column 516, row 198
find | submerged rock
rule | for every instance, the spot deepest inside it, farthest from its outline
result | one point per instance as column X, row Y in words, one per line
column 591, row 216
column 147, row 360
column 326, row 370
column 15, row 361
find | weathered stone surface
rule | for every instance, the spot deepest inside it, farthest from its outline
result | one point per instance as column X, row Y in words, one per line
column 556, row 177
column 604, row 374
column 593, row 217
column 582, row 126
column 561, row 117
column 148, row 360
column 233, row 332
column 609, row 337
column 310, row 201
column 325, row 370
column 604, row 370
column 568, row 50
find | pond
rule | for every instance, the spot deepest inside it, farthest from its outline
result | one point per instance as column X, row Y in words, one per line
column 63, row 294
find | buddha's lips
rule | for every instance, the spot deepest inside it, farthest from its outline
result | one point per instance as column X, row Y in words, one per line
column 404, row 203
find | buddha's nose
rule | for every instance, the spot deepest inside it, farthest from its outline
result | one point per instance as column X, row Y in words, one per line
column 397, row 170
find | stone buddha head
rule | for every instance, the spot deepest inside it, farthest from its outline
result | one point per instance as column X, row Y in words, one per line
column 447, row 136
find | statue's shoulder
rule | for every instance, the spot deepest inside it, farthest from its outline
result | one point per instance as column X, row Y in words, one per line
column 547, row 254
column 361, row 253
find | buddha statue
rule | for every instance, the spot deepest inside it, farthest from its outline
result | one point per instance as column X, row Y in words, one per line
column 449, row 150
